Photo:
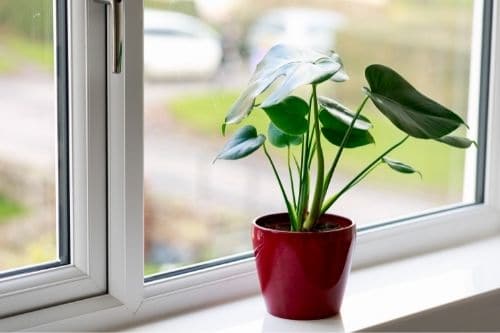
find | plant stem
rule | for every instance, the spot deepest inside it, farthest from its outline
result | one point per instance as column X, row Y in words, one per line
column 313, row 151
column 303, row 201
column 292, row 185
column 318, row 191
column 291, row 211
column 360, row 176
column 329, row 175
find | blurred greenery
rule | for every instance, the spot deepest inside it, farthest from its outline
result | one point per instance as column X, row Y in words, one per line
column 441, row 165
column 26, row 34
column 17, row 50
column 150, row 268
column 186, row 6
column 5, row 64
column 9, row 209
column 29, row 18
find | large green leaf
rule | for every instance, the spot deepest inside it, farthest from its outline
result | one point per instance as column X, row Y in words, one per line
column 289, row 115
column 456, row 141
column 297, row 67
column 334, row 129
column 281, row 139
column 356, row 139
column 244, row 142
column 408, row 109
column 341, row 113
column 399, row 166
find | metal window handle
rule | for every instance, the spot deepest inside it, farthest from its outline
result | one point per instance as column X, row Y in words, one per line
column 115, row 20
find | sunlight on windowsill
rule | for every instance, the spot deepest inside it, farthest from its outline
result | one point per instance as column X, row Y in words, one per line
column 374, row 295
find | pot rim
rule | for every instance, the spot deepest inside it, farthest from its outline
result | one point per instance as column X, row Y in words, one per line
column 352, row 225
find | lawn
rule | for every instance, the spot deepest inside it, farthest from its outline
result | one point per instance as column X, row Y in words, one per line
column 441, row 166
column 36, row 52
column 9, row 209
column 15, row 51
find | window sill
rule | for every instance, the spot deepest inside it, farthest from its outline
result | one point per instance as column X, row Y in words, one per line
column 374, row 295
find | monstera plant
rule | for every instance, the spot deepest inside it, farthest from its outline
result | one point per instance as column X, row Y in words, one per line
column 294, row 121
column 311, row 124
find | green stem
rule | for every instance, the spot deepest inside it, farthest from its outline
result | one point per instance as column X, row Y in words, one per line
column 313, row 151
column 292, row 185
column 318, row 191
column 291, row 211
column 329, row 175
column 360, row 176
column 303, row 201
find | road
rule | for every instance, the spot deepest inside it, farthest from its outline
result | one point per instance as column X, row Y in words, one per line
column 177, row 163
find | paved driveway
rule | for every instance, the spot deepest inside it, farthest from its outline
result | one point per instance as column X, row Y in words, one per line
column 177, row 163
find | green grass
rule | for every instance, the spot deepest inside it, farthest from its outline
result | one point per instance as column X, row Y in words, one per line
column 16, row 51
column 9, row 209
column 150, row 269
column 6, row 65
column 440, row 165
column 39, row 53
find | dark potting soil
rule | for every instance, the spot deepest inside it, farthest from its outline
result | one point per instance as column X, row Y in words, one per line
column 319, row 227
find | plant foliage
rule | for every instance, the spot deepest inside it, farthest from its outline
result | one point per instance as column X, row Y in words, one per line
column 293, row 121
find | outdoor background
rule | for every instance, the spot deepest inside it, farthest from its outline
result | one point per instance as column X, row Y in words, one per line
column 195, row 68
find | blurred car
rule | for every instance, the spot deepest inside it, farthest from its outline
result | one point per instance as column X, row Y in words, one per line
column 179, row 46
column 300, row 27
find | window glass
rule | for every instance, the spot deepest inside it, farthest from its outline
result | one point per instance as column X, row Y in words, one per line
column 28, row 135
column 197, row 211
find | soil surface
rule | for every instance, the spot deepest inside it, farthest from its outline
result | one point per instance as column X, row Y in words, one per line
column 320, row 227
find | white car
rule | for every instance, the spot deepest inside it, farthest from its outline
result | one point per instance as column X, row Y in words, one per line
column 296, row 26
column 179, row 46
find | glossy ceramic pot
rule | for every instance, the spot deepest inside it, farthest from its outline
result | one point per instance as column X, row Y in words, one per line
column 302, row 274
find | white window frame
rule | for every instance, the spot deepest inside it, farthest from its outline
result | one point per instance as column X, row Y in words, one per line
column 129, row 300
column 86, row 274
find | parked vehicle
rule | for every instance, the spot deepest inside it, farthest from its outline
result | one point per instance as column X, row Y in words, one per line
column 179, row 46
column 300, row 27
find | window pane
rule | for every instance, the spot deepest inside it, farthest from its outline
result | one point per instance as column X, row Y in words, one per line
column 28, row 132
column 198, row 56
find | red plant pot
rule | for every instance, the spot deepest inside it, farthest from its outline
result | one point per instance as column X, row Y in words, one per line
column 302, row 274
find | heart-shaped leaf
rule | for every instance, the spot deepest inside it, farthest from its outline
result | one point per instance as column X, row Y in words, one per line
column 457, row 141
column 408, row 109
column 399, row 166
column 356, row 139
column 297, row 67
column 339, row 112
column 289, row 115
column 281, row 139
column 341, row 75
column 244, row 142
column 335, row 127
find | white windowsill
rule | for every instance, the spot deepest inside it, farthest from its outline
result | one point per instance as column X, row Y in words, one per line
column 374, row 295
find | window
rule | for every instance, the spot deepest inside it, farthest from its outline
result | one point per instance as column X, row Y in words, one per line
column 29, row 160
column 142, row 197
column 196, row 212
column 52, row 210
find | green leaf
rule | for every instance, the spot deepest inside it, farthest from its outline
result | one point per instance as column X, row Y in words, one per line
column 339, row 112
column 399, row 166
column 289, row 115
column 457, row 141
column 356, row 139
column 408, row 109
column 341, row 75
column 281, row 139
column 334, row 129
column 244, row 142
column 297, row 67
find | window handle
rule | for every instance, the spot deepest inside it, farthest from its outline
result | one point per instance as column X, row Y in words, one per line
column 115, row 20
